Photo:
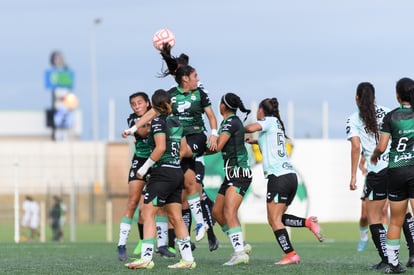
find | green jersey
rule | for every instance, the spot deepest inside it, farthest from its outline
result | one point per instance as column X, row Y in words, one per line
column 173, row 131
column 189, row 108
column 234, row 152
column 399, row 123
column 142, row 149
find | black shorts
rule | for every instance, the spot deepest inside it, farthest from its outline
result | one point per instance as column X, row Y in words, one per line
column 136, row 163
column 375, row 187
column 164, row 186
column 401, row 183
column 197, row 143
column 282, row 189
column 241, row 184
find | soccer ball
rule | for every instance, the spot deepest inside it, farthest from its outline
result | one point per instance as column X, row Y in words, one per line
column 163, row 36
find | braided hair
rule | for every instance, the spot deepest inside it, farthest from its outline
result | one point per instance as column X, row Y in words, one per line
column 233, row 102
column 270, row 107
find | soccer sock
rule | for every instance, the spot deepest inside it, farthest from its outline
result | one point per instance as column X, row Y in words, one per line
column 207, row 204
column 141, row 230
column 147, row 249
column 393, row 250
column 282, row 237
column 124, row 229
column 162, row 230
column 293, row 221
column 236, row 238
column 208, row 219
column 185, row 249
column 379, row 236
column 187, row 219
column 363, row 233
column 225, row 229
column 171, row 237
column 408, row 229
column 210, row 234
column 195, row 207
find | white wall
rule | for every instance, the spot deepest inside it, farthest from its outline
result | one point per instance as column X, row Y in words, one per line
column 324, row 165
column 37, row 166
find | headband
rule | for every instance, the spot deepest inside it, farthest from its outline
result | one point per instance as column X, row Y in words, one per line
column 227, row 104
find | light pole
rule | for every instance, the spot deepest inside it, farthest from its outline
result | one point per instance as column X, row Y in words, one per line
column 94, row 98
column 94, row 91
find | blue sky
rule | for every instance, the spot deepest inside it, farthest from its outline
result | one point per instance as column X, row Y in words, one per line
column 306, row 52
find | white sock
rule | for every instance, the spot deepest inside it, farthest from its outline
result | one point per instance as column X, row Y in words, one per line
column 363, row 233
column 162, row 233
column 236, row 238
column 185, row 249
column 124, row 229
column 195, row 207
column 393, row 250
column 147, row 249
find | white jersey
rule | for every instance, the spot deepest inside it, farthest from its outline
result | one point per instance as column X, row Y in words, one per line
column 355, row 127
column 35, row 215
column 26, row 213
column 31, row 216
column 272, row 144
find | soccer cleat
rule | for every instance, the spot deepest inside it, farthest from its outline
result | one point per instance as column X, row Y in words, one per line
column 312, row 224
column 238, row 258
column 247, row 248
column 390, row 269
column 122, row 253
column 379, row 266
column 361, row 245
column 294, row 259
column 137, row 249
column 200, row 230
column 183, row 264
column 164, row 252
column 140, row 264
column 213, row 244
column 410, row 262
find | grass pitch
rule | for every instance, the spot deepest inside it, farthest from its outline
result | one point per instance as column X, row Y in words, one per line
column 337, row 255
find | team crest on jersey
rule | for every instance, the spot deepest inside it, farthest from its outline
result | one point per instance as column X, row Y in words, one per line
column 193, row 97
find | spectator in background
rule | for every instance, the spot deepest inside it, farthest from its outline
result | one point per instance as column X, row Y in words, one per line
column 62, row 219
column 56, row 215
column 31, row 219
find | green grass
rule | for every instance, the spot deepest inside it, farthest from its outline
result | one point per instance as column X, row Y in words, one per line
column 335, row 256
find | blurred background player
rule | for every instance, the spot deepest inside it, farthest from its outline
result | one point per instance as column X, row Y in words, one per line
column 56, row 216
column 31, row 219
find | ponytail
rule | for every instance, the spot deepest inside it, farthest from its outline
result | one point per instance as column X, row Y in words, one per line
column 233, row 102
